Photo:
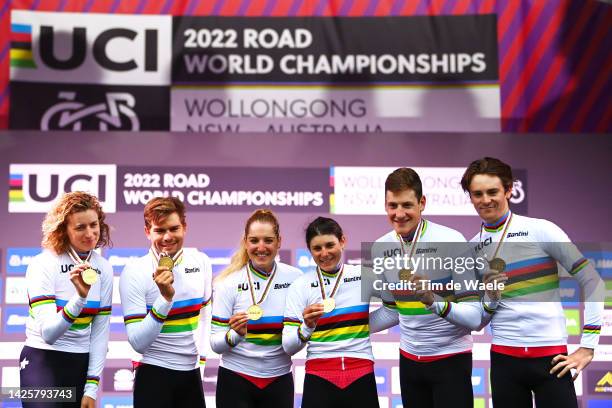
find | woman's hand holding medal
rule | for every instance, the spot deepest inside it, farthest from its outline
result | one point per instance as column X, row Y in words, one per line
column 76, row 278
column 312, row 314
column 238, row 323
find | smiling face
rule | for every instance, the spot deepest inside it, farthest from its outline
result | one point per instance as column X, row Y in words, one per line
column 326, row 250
column 262, row 245
column 489, row 197
column 404, row 210
column 83, row 230
column 167, row 235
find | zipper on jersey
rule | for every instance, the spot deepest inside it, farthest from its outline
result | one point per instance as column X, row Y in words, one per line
column 342, row 363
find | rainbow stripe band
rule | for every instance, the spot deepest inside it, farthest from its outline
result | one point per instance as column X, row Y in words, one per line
column 343, row 324
column 93, row 380
column 287, row 321
column 390, row 305
column 184, row 316
column 41, row 300
column 202, row 361
column 578, row 266
column 219, row 321
column 133, row 318
column 207, row 302
column 228, row 340
column 302, row 338
column 158, row 317
column 68, row 316
column 468, row 297
column 104, row 311
column 266, row 331
column 487, row 308
column 531, row 276
column 445, row 309
column 591, row 329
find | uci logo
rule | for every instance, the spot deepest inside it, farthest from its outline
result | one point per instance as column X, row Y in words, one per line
column 99, row 48
column 34, row 187
column 94, row 48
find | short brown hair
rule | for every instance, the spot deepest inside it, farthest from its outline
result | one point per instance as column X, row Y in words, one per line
column 159, row 208
column 402, row 179
column 490, row 166
column 55, row 236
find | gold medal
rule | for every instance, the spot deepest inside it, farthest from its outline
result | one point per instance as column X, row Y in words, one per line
column 255, row 312
column 497, row 264
column 90, row 276
column 165, row 262
column 329, row 304
column 405, row 274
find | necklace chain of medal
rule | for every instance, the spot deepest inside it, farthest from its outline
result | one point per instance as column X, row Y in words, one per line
column 405, row 273
column 164, row 260
column 496, row 264
column 255, row 311
column 329, row 303
column 89, row 275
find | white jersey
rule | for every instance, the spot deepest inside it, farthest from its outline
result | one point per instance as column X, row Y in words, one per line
column 343, row 332
column 423, row 333
column 60, row 319
column 530, row 312
column 168, row 334
column 260, row 353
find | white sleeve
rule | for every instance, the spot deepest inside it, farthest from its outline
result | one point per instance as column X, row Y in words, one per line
column 223, row 338
column 473, row 315
column 41, row 295
column 295, row 333
column 205, row 313
column 557, row 244
column 383, row 318
column 142, row 327
column 100, row 326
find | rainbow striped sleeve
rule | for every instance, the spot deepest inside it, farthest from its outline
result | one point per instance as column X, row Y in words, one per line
column 41, row 300
column 289, row 321
column 158, row 317
column 445, row 309
column 219, row 321
column 591, row 329
column 135, row 318
column 390, row 304
column 93, row 380
column 105, row 311
column 487, row 308
column 578, row 266
column 68, row 316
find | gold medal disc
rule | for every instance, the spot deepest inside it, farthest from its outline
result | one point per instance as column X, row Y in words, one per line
column 405, row 274
column 166, row 262
column 497, row 264
column 255, row 312
column 90, row 276
column 329, row 304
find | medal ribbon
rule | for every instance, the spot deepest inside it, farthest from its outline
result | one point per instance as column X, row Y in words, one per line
column 413, row 244
column 501, row 240
column 266, row 289
column 156, row 256
column 336, row 286
column 75, row 257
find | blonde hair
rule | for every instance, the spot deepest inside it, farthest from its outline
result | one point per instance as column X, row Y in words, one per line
column 54, row 232
column 241, row 257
